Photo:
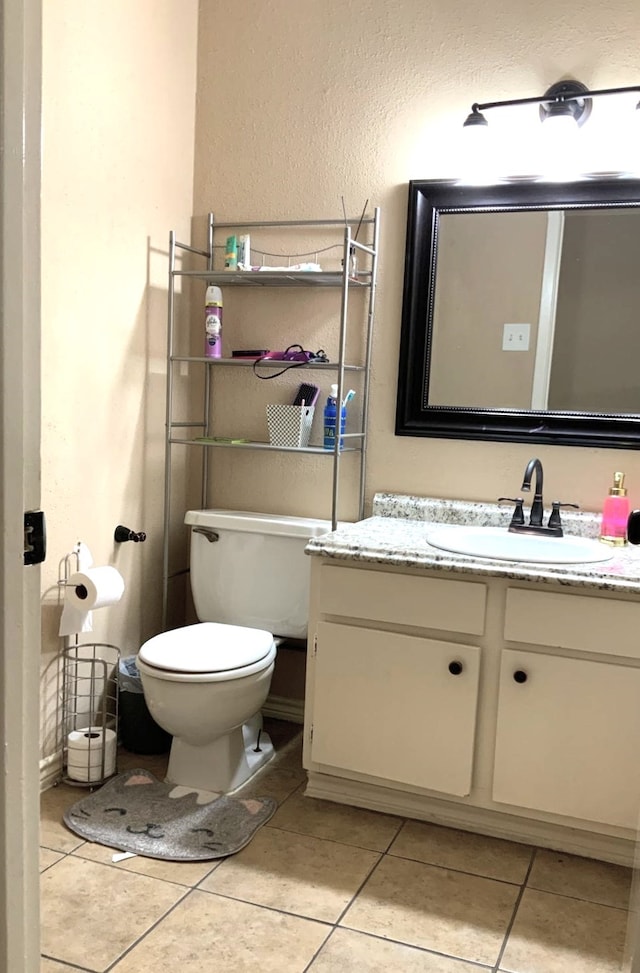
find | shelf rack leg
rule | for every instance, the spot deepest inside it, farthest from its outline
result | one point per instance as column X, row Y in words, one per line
column 367, row 362
column 167, row 445
column 207, row 383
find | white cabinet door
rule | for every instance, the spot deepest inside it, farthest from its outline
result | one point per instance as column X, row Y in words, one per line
column 568, row 737
column 395, row 706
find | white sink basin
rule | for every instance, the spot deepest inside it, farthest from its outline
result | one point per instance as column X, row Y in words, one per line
column 499, row 545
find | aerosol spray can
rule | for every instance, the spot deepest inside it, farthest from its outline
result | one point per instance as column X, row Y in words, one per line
column 213, row 322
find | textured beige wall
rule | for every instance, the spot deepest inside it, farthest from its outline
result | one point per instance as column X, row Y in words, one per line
column 118, row 124
column 298, row 106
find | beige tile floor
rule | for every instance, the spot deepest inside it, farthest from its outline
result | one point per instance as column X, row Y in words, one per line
column 327, row 888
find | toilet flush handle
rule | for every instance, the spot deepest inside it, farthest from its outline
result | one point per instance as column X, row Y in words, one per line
column 211, row 535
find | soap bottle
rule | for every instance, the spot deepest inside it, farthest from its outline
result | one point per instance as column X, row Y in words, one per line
column 615, row 513
column 330, row 414
column 213, row 322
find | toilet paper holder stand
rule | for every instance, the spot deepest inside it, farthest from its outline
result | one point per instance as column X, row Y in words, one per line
column 89, row 711
column 88, row 702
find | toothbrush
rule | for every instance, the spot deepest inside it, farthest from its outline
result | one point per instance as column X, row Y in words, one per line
column 348, row 397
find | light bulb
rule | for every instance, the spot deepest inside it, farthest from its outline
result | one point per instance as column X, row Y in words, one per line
column 559, row 126
column 559, row 145
column 477, row 151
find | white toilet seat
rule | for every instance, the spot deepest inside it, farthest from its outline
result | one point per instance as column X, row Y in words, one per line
column 208, row 652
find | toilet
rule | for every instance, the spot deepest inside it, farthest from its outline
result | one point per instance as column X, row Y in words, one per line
column 206, row 683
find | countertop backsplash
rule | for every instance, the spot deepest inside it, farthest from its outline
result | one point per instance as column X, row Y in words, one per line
column 475, row 513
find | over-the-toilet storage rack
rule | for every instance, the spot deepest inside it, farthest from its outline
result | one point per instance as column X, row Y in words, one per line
column 341, row 280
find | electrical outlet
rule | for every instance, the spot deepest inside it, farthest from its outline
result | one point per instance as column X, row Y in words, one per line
column 515, row 337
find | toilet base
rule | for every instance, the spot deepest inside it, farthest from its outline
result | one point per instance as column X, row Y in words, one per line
column 223, row 765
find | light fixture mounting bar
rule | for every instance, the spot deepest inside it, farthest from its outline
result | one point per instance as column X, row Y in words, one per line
column 546, row 98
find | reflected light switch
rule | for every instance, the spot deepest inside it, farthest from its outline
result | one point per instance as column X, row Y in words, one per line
column 515, row 337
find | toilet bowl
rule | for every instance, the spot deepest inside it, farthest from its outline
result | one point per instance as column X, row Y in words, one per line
column 206, row 683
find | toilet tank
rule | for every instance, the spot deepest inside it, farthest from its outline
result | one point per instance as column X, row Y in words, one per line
column 251, row 569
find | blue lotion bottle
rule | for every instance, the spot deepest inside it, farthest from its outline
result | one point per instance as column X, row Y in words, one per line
column 330, row 413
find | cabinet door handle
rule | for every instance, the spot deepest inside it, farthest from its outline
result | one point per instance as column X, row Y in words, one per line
column 520, row 675
column 455, row 668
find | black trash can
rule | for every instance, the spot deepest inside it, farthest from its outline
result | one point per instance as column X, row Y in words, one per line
column 139, row 732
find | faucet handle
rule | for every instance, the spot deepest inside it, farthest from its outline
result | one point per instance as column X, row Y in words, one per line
column 518, row 513
column 554, row 516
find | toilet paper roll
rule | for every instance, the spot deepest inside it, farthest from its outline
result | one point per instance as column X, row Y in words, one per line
column 94, row 588
column 86, row 591
column 85, row 749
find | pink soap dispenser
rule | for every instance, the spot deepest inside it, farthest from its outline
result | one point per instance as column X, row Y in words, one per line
column 615, row 513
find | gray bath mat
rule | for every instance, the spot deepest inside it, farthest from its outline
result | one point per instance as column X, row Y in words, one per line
column 133, row 812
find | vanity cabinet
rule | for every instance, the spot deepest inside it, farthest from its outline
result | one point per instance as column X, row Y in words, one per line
column 397, row 707
column 389, row 703
column 568, row 726
column 567, row 737
column 504, row 707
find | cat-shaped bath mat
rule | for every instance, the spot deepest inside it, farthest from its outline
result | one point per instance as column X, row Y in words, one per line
column 134, row 812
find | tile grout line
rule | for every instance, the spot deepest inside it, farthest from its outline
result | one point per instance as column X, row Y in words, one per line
column 213, row 869
column 335, row 841
column 151, row 928
column 267, row 908
column 333, row 926
column 74, row 853
column 381, row 857
column 458, row 871
column 63, row 854
column 188, row 890
column 419, row 949
column 315, row 837
column 516, row 906
column 403, row 822
column 131, row 871
column 60, row 851
column 399, row 942
column 72, row 966
column 319, row 950
column 577, row 898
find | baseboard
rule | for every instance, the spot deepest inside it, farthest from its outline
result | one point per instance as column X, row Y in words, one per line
column 282, row 708
column 50, row 771
column 497, row 824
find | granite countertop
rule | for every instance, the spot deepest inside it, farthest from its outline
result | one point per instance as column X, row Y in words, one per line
column 396, row 535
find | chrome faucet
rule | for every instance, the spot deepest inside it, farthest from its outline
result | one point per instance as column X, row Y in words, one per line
column 535, row 525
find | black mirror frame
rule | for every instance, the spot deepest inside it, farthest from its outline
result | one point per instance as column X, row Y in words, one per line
column 414, row 417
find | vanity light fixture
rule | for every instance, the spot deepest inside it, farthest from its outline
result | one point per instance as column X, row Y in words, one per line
column 564, row 102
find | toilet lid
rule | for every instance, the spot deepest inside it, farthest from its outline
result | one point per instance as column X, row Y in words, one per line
column 207, row 647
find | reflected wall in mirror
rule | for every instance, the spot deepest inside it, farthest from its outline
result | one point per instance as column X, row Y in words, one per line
column 520, row 313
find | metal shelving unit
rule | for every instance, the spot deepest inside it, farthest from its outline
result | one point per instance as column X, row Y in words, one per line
column 341, row 281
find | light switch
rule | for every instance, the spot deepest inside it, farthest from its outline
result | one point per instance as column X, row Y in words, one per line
column 515, row 337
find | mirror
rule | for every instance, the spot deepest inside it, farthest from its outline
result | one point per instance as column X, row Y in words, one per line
column 521, row 313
